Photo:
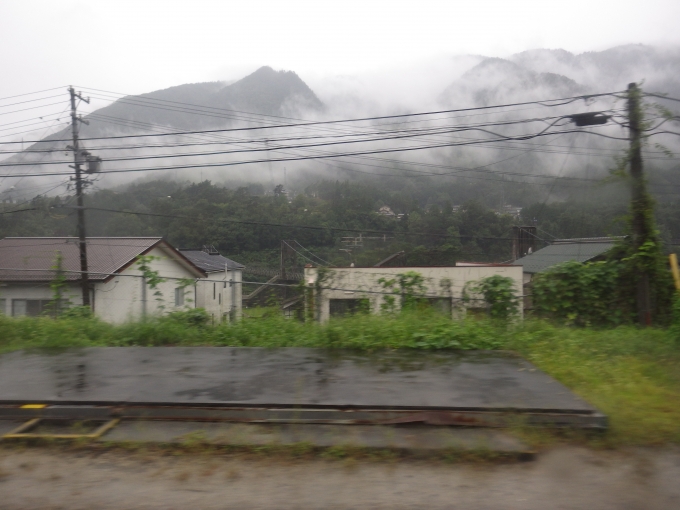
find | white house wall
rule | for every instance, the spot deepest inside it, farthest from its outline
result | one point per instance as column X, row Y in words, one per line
column 122, row 299
column 362, row 283
column 11, row 291
column 217, row 296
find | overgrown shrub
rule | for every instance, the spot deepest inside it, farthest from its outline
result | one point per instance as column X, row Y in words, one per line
column 77, row 312
column 190, row 317
column 582, row 294
column 499, row 294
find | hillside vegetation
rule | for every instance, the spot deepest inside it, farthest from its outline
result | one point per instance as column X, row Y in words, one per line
column 430, row 231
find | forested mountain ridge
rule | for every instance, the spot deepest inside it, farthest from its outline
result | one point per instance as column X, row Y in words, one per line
column 248, row 225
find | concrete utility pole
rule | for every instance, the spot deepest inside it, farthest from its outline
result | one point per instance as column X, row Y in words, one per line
column 641, row 203
column 77, row 160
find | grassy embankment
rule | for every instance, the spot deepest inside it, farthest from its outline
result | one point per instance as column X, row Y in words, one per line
column 633, row 375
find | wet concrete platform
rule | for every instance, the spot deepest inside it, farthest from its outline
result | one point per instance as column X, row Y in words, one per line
column 284, row 378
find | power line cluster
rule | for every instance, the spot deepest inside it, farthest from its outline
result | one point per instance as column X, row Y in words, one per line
column 336, row 133
column 272, row 144
column 265, row 284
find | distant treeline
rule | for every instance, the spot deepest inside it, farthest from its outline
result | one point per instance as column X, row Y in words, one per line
column 428, row 224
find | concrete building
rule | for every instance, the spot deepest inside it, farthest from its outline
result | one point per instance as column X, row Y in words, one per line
column 221, row 293
column 119, row 292
column 346, row 290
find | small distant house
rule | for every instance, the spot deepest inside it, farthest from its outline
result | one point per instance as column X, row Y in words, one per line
column 220, row 294
column 119, row 290
column 386, row 210
column 510, row 210
column 349, row 290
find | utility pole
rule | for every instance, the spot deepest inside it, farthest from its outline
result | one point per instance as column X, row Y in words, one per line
column 641, row 206
column 77, row 160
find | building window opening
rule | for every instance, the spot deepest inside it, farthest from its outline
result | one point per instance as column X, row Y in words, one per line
column 36, row 307
column 179, row 296
column 345, row 307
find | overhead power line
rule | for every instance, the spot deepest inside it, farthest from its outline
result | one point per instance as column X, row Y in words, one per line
column 30, row 100
column 31, row 108
column 330, row 155
column 297, row 226
column 661, row 96
column 544, row 102
column 31, row 93
column 268, row 148
column 232, row 140
column 341, row 121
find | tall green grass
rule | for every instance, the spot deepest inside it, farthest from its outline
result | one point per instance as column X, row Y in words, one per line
column 631, row 374
column 413, row 331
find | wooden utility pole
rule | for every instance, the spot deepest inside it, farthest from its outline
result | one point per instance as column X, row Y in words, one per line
column 641, row 206
column 77, row 161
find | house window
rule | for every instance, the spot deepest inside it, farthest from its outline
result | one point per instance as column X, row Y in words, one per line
column 343, row 307
column 3, row 304
column 220, row 298
column 214, row 290
column 34, row 307
column 179, row 296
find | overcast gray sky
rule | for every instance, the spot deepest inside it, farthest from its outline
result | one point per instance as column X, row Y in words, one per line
column 143, row 45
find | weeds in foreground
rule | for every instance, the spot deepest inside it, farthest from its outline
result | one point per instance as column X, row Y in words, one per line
column 630, row 374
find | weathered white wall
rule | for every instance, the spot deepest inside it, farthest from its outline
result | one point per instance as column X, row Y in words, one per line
column 121, row 299
column 217, row 296
column 443, row 282
column 11, row 291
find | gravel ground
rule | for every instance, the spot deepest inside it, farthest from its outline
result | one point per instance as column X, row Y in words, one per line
column 562, row 478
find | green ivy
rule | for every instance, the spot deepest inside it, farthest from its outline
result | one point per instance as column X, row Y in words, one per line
column 409, row 285
column 499, row 294
column 583, row 294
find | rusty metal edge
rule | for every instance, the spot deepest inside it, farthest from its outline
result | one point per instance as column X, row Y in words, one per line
column 315, row 415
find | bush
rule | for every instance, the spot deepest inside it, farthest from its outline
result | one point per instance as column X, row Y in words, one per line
column 499, row 294
column 191, row 317
column 77, row 312
column 582, row 294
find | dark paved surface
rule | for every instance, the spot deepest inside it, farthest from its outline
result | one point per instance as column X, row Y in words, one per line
column 282, row 377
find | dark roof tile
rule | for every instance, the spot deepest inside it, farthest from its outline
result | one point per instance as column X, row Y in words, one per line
column 210, row 262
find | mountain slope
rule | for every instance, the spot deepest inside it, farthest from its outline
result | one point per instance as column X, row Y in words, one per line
column 497, row 80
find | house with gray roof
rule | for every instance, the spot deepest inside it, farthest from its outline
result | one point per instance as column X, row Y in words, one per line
column 221, row 293
column 119, row 290
column 564, row 250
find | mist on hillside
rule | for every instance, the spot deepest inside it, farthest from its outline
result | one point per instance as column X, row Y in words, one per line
column 552, row 168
